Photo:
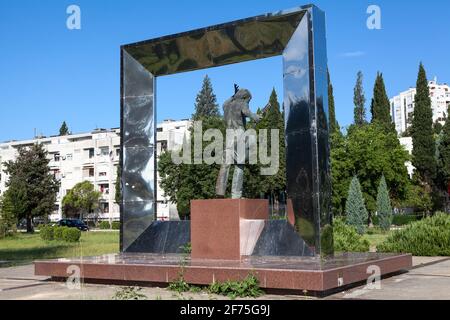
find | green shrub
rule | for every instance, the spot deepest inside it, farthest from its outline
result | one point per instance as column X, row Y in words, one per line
column 47, row 233
column 249, row 287
column 7, row 228
column 115, row 225
column 129, row 293
column 347, row 239
column 402, row 220
column 428, row 237
column 71, row 234
column 58, row 233
column 104, row 225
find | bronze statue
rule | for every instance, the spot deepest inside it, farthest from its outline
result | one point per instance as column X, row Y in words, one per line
column 236, row 110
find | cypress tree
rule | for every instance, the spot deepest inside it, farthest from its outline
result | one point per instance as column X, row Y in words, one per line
column 359, row 101
column 384, row 208
column 355, row 208
column 334, row 125
column 206, row 102
column 64, row 130
column 423, row 154
column 380, row 107
column 443, row 164
column 273, row 119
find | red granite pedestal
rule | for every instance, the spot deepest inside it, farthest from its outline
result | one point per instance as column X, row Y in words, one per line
column 226, row 229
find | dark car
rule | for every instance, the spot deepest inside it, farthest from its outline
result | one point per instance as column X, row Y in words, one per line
column 73, row 223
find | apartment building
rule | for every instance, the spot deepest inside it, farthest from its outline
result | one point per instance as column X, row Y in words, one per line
column 402, row 105
column 94, row 157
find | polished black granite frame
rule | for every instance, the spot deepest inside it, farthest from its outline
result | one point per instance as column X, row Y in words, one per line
column 299, row 36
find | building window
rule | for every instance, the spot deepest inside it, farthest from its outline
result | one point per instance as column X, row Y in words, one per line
column 69, row 157
column 91, row 153
column 104, row 207
column 91, row 172
column 102, row 174
column 104, row 151
column 104, row 188
column 163, row 145
column 118, row 152
column 57, row 157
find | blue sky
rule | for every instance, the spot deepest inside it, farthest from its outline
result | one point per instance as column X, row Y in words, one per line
column 49, row 74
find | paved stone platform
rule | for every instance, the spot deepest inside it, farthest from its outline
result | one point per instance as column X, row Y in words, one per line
column 413, row 285
column 281, row 273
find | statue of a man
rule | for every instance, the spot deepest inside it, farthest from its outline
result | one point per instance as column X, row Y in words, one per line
column 236, row 110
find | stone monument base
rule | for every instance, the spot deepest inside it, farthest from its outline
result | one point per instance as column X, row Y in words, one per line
column 226, row 229
column 321, row 276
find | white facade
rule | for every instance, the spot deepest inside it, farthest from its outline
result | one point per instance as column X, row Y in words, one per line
column 407, row 143
column 94, row 157
column 402, row 105
column 170, row 136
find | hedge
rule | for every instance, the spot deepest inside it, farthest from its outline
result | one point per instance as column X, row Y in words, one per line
column 50, row 233
column 104, row 225
column 115, row 225
column 428, row 237
column 71, row 235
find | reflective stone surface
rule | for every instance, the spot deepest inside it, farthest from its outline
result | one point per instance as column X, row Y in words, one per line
column 299, row 36
column 279, row 238
column 138, row 141
column 163, row 237
column 285, row 263
column 306, row 119
column 238, row 41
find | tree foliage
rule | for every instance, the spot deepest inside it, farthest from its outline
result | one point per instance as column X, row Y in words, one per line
column 359, row 100
column 256, row 184
column 380, row 107
column 369, row 152
column 64, row 129
column 384, row 208
column 334, row 124
column 8, row 220
column 422, row 132
column 81, row 199
column 32, row 188
column 206, row 102
column 355, row 208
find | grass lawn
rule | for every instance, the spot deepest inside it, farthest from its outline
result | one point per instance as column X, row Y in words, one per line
column 23, row 248
column 377, row 238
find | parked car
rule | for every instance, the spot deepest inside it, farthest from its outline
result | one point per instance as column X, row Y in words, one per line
column 73, row 223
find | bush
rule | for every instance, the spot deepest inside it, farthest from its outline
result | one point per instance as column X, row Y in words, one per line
column 129, row 293
column 115, row 225
column 71, row 234
column 249, row 287
column 428, row 237
column 402, row 220
column 47, row 233
column 104, row 225
column 347, row 239
column 58, row 233
column 7, row 228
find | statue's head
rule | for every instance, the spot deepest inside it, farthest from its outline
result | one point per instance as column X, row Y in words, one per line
column 243, row 94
